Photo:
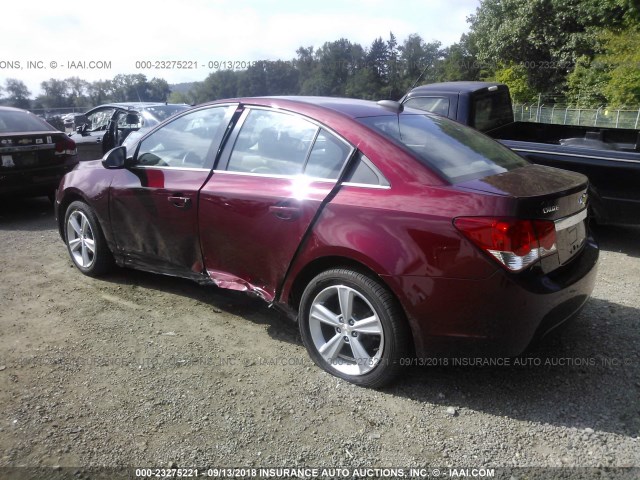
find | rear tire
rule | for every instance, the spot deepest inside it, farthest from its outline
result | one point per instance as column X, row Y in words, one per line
column 85, row 241
column 353, row 327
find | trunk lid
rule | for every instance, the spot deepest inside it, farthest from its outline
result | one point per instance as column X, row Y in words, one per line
column 545, row 193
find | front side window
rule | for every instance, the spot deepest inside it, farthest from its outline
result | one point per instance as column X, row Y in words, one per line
column 272, row 143
column 455, row 151
column 185, row 142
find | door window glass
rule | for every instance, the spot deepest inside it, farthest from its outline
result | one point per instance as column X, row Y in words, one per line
column 272, row 143
column 186, row 142
column 327, row 156
column 99, row 120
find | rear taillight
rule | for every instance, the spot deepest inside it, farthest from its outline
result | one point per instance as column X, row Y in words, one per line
column 515, row 243
column 66, row 146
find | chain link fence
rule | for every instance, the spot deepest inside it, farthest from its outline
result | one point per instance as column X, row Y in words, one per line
column 588, row 117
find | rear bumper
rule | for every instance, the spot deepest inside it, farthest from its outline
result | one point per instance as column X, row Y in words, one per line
column 34, row 181
column 498, row 316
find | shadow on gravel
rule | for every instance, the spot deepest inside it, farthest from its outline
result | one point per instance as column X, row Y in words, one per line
column 237, row 303
column 586, row 375
column 619, row 239
column 27, row 214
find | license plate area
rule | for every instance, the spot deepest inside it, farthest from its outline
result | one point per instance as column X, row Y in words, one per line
column 571, row 233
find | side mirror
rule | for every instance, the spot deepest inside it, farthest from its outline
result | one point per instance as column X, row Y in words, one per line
column 115, row 158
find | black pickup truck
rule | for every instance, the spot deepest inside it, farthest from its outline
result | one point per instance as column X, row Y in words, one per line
column 610, row 157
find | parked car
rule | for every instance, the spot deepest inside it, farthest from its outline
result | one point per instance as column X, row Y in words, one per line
column 107, row 126
column 384, row 233
column 610, row 157
column 34, row 155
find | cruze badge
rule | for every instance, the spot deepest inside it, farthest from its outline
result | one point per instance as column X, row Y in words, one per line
column 553, row 208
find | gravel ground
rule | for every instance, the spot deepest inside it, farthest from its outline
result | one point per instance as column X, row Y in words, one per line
column 137, row 369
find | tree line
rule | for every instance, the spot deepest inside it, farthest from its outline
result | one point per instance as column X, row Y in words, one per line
column 579, row 52
column 79, row 93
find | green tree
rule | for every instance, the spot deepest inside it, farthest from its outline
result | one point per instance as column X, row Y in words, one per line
column 515, row 77
column 78, row 89
column 336, row 61
column 459, row 62
column 394, row 89
column 419, row 61
column 130, row 87
column 181, row 97
column 100, row 91
column 306, row 65
column 376, row 61
column 282, row 78
column 56, row 93
column 545, row 36
column 253, row 81
column 219, row 84
column 157, row 90
column 586, row 83
column 17, row 93
column 622, row 59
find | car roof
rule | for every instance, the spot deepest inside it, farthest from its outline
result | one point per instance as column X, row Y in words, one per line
column 14, row 109
column 453, row 87
column 349, row 107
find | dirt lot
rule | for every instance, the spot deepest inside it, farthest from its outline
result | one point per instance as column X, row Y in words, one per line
column 143, row 370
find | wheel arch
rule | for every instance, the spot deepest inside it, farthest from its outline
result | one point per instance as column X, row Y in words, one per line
column 322, row 264
column 69, row 197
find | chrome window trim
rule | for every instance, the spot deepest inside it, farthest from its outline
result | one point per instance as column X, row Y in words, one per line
column 366, row 185
column 155, row 167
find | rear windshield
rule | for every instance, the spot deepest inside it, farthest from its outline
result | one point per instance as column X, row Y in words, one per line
column 490, row 110
column 16, row 121
column 456, row 152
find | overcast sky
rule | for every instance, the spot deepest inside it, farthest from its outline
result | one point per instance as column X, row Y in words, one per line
column 117, row 33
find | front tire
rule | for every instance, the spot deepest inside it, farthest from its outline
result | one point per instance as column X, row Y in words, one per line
column 85, row 241
column 353, row 327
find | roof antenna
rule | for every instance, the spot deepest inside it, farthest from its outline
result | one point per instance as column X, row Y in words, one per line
column 418, row 79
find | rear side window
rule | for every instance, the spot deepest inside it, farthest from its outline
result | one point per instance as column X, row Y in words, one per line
column 456, row 152
column 327, row 156
column 365, row 173
column 16, row 121
column 272, row 143
column 439, row 105
column 276, row 143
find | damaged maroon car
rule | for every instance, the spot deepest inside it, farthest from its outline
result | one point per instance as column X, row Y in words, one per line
column 387, row 233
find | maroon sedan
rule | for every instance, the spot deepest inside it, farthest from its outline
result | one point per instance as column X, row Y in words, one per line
column 387, row 234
